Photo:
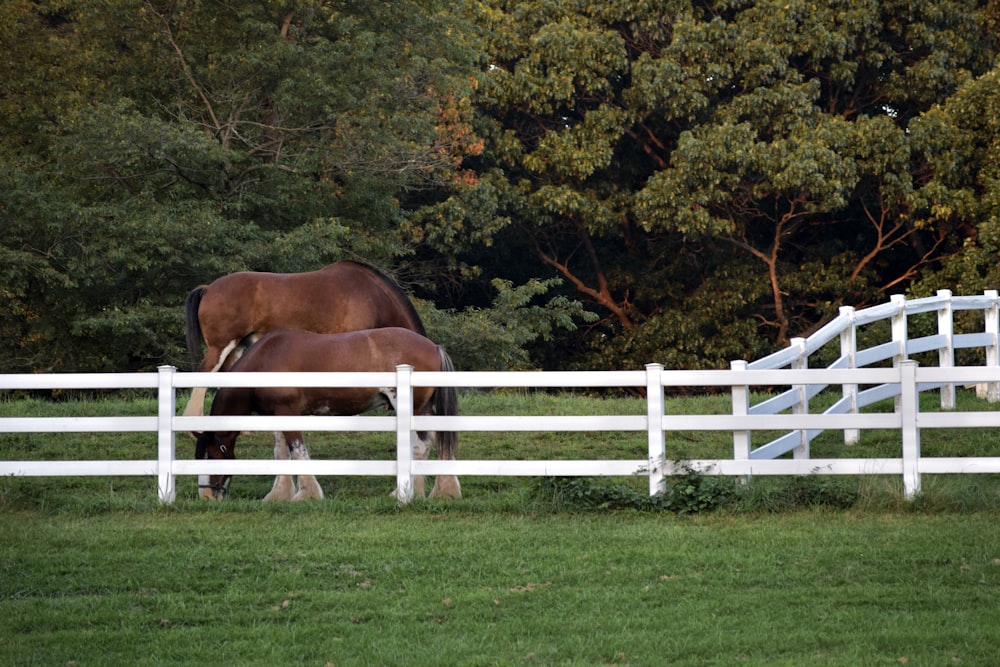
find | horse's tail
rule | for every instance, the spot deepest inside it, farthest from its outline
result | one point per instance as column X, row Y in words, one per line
column 194, row 336
column 445, row 402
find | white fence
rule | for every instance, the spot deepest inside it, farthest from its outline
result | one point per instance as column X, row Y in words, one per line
column 788, row 411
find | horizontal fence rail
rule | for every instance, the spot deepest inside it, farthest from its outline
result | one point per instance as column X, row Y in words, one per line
column 786, row 411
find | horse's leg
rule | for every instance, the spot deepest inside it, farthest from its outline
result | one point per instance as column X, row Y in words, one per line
column 420, row 448
column 446, row 486
column 283, row 488
column 309, row 488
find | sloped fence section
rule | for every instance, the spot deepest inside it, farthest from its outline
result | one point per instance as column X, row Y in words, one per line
column 945, row 342
column 901, row 379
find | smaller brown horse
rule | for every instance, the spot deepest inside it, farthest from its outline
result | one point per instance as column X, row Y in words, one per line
column 293, row 350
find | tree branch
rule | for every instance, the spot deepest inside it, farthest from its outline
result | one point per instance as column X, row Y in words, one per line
column 188, row 72
column 602, row 294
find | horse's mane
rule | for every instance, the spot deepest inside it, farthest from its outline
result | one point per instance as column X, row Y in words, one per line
column 393, row 289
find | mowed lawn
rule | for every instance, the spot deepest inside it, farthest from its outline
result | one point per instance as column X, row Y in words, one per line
column 93, row 571
column 334, row 585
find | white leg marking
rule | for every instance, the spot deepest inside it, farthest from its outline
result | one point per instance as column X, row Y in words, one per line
column 420, row 449
column 446, row 486
column 390, row 395
column 196, row 404
column 226, row 351
column 283, row 487
column 309, row 488
column 204, row 492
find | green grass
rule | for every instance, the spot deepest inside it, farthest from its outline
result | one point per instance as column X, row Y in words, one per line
column 816, row 570
column 325, row 584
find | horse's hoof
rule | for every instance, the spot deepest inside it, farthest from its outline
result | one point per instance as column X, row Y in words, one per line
column 282, row 490
column 456, row 495
column 210, row 495
column 447, row 487
column 307, row 496
column 279, row 495
column 311, row 490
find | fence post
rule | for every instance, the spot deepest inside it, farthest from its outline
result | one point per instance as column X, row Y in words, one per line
column 992, row 327
column 654, row 427
column 849, row 350
column 899, row 334
column 946, row 354
column 404, row 434
column 909, row 407
column 801, row 406
column 741, row 408
column 166, row 448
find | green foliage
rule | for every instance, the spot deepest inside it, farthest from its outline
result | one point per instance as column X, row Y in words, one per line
column 150, row 148
column 693, row 493
column 696, row 165
column 710, row 178
column 959, row 142
column 497, row 338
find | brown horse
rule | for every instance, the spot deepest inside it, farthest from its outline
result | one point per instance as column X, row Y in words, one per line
column 235, row 310
column 292, row 350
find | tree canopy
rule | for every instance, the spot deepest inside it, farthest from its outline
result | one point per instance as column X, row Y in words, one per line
column 715, row 177
column 152, row 146
column 706, row 178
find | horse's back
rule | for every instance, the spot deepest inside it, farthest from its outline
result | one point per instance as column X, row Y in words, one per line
column 364, row 297
column 345, row 296
column 296, row 350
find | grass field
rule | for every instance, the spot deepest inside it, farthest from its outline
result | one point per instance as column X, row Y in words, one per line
column 822, row 571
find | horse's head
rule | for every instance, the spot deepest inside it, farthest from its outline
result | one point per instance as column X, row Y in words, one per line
column 212, row 445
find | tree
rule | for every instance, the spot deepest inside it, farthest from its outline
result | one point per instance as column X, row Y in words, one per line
column 958, row 143
column 151, row 146
column 713, row 177
column 710, row 177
